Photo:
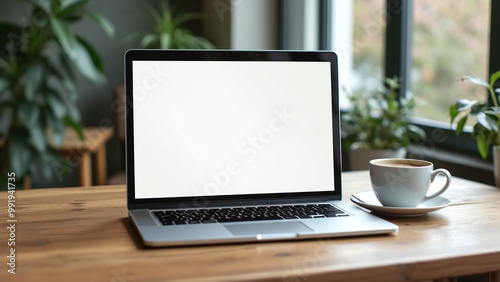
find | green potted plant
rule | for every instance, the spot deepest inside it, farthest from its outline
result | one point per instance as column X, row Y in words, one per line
column 486, row 129
column 38, row 88
column 378, row 125
column 167, row 31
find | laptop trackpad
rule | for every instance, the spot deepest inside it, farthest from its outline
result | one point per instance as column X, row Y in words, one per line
column 240, row 229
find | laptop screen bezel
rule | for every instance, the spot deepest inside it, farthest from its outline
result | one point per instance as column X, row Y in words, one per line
column 229, row 55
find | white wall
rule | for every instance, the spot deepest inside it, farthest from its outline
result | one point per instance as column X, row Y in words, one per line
column 254, row 24
column 242, row 24
column 303, row 24
column 342, row 45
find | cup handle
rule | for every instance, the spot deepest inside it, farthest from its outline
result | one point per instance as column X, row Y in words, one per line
column 433, row 176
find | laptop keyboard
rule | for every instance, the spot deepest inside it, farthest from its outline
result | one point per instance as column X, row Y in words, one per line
column 214, row 215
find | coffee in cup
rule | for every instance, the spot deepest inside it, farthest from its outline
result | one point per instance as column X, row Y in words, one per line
column 404, row 182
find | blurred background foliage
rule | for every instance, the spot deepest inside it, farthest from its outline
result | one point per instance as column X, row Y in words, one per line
column 450, row 40
column 167, row 29
column 38, row 88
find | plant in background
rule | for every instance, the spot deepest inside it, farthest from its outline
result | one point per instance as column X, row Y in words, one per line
column 379, row 120
column 167, row 31
column 37, row 82
column 485, row 131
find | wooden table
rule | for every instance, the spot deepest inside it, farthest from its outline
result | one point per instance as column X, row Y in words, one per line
column 79, row 153
column 85, row 235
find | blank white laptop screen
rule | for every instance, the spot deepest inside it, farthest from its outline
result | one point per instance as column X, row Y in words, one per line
column 209, row 128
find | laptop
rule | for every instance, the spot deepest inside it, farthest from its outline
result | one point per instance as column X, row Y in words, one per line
column 236, row 146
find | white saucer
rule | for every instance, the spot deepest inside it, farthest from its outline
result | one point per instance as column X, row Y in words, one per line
column 369, row 201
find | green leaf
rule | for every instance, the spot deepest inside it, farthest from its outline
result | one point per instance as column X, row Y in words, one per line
column 33, row 78
column 72, row 18
column 202, row 43
column 483, row 139
column 10, row 34
column 94, row 55
column 38, row 138
column 476, row 80
column 492, row 116
column 4, row 85
column 415, row 132
column 392, row 83
column 88, row 62
column 72, row 111
column 493, row 111
column 478, row 108
column 165, row 41
column 154, row 17
column 464, row 104
column 45, row 5
column 55, row 104
column 68, row 77
column 49, row 158
column 65, row 36
column 28, row 113
column 487, row 122
column 132, row 37
column 182, row 18
column 19, row 152
column 57, row 126
column 69, row 6
column 76, row 126
column 453, row 113
column 149, row 40
column 494, row 77
column 461, row 124
column 5, row 66
column 105, row 24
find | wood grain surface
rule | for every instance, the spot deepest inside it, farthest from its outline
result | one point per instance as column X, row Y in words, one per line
column 84, row 234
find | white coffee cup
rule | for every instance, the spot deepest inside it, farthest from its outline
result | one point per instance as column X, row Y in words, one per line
column 404, row 182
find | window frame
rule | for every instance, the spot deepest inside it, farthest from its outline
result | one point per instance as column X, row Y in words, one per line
column 398, row 61
column 494, row 58
column 457, row 153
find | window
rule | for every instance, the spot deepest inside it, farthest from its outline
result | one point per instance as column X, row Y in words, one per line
column 399, row 40
column 368, row 44
column 355, row 30
column 450, row 41
column 400, row 37
column 428, row 44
